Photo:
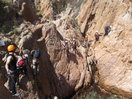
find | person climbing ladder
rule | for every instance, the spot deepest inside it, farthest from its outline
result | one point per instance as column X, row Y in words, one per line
column 74, row 45
column 107, row 30
column 35, row 61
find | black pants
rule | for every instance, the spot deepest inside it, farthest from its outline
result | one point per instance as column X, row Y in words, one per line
column 106, row 32
column 74, row 47
column 22, row 70
column 12, row 83
column 97, row 38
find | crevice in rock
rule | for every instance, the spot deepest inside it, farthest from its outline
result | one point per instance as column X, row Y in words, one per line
column 91, row 17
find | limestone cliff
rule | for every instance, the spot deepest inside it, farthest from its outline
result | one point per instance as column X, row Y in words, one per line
column 62, row 74
column 95, row 15
column 114, row 51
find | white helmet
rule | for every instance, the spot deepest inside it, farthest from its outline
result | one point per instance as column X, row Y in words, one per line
column 66, row 41
column 26, row 55
column 96, row 31
column 110, row 26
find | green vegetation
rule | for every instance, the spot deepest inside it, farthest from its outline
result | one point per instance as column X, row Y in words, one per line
column 38, row 13
column 76, row 24
column 5, row 2
column 92, row 95
column 15, row 22
column 59, row 6
column 11, row 26
column 14, row 31
column 7, row 17
column 95, row 93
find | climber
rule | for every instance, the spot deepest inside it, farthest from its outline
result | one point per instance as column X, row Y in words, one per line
column 86, row 38
column 74, row 45
column 11, row 69
column 97, row 35
column 107, row 29
column 22, row 63
column 35, row 61
column 86, row 41
column 65, row 46
column 83, row 34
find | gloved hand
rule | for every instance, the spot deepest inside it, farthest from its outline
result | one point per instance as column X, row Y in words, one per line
column 9, row 72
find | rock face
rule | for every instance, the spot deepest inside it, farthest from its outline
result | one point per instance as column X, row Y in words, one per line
column 27, row 11
column 4, row 93
column 114, row 51
column 63, row 73
column 46, row 9
column 115, row 57
column 94, row 15
column 50, row 8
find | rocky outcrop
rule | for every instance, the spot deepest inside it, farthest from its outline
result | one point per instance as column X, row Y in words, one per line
column 4, row 93
column 115, row 57
column 50, row 9
column 114, row 51
column 63, row 73
column 45, row 7
column 27, row 10
column 94, row 15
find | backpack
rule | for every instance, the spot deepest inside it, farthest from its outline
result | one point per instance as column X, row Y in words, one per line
column 21, row 62
column 36, row 53
column 107, row 29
